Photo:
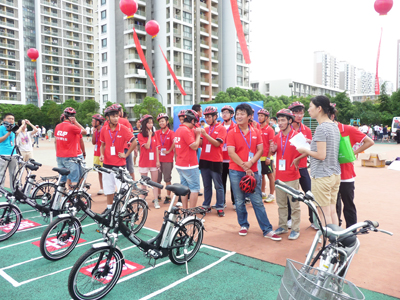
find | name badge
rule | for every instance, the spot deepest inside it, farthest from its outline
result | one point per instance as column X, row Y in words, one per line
column 151, row 155
column 162, row 151
column 282, row 165
column 224, row 148
column 208, row 148
column 112, row 150
column 251, row 155
column 95, row 147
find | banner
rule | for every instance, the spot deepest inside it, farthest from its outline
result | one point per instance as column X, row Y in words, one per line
column 178, row 84
column 256, row 105
column 377, row 87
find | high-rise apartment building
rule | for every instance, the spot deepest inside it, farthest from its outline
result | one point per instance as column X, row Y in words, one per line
column 365, row 82
column 398, row 66
column 64, row 34
column 347, row 77
column 326, row 69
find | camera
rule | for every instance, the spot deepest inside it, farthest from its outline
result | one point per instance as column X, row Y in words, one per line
column 10, row 127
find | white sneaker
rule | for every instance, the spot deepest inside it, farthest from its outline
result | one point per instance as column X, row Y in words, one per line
column 100, row 192
column 178, row 204
column 313, row 226
column 270, row 198
column 289, row 223
column 264, row 195
column 156, row 205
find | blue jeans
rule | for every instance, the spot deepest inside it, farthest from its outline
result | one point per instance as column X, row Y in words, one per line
column 256, row 201
column 209, row 177
column 190, row 178
column 67, row 163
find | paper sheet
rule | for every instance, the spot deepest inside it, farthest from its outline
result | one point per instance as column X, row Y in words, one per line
column 299, row 141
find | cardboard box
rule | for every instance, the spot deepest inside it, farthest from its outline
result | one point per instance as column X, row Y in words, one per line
column 374, row 160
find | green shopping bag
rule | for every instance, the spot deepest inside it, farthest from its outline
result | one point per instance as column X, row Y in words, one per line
column 346, row 153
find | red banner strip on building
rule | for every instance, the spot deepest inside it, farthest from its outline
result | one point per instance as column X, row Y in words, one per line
column 178, row 84
column 143, row 58
column 37, row 89
column 239, row 31
column 377, row 87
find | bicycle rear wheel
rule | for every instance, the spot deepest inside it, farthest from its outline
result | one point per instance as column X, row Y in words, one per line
column 10, row 218
column 135, row 215
column 189, row 238
column 69, row 203
column 43, row 193
column 60, row 238
column 95, row 273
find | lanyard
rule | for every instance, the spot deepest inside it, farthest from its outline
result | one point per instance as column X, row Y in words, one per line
column 98, row 134
column 151, row 140
column 113, row 140
column 245, row 138
column 163, row 141
column 287, row 137
column 209, row 130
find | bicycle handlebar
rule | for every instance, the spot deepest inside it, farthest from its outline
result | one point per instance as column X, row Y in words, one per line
column 296, row 195
column 155, row 184
column 33, row 162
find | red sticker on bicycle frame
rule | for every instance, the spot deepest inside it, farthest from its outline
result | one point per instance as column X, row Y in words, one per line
column 128, row 268
column 25, row 224
column 52, row 244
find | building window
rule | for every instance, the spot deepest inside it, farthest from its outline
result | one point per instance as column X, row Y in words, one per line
column 187, row 4
column 103, row 2
column 104, row 43
column 187, row 59
column 187, row 45
column 188, row 99
column 104, row 56
column 188, row 86
column 187, row 17
column 103, row 14
column 104, row 28
column 105, row 84
column 105, row 98
column 240, row 70
column 239, row 81
column 187, row 32
column 187, row 72
column 104, row 70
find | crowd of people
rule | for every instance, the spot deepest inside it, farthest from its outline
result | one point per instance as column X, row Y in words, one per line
column 247, row 152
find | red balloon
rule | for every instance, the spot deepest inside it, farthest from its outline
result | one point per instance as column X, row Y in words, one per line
column 152, row 28
column 383, row 6
column 128, row 7
column 33, row 54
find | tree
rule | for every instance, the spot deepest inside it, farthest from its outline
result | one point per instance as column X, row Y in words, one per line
column 385, row 103
column 149, row 106
column 86, row 110
column 71, row 103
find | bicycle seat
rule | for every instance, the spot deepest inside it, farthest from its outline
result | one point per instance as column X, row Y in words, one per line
column 61, row 171
column 32, row 167
column 347, row 240
column 178, row 189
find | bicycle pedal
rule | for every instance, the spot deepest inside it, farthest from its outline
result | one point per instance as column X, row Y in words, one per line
column 97, row 230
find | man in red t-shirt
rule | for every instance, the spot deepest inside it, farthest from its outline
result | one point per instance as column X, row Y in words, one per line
column 287, row 172
column 210, row 164
column 227, row 114
column 67, row 135
column 346, row 188
column 113, row 137
column 297, row 109
column 267, row 164
column 245, row 147
column 186, row 145
column 97, row 123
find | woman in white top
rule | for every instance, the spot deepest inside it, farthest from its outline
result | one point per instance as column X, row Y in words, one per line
column 24, row 139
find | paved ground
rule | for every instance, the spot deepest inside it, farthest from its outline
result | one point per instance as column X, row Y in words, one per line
column 376, row 267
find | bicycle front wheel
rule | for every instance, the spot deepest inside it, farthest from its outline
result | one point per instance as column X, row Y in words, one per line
column 95, row 274
column 43, row 193
column 186, row 242
column 68, row 203
column 135, row 215
column 60, row 238
column 10, row 218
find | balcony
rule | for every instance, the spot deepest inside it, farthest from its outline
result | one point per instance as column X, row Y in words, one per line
column 72, row 55
column 51, row 71
column 2, row 54
column 8, row 2
column 177, row 32
column 139, row 86
column 3, row 33
column 4, row 66
column 69, row 82
column 12, row 46
column 51, row 62
column 52, row 91
column 52, row 81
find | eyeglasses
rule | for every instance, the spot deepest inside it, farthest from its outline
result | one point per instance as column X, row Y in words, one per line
column 226, row 112
column 300, row 113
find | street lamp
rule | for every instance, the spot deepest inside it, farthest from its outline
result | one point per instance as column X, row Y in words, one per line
column 291, row 88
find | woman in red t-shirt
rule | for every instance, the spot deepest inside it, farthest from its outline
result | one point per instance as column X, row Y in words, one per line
column 148, row 161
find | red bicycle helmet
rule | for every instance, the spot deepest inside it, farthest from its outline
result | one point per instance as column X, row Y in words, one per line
column 228, row 107
column 248, row 184
column 191, row 114
column 296, row 104
column 98, row 117
column 62, row 118
column 333, row 104
column 285, row 112
column 162, row 115
column 117, row 106
column 69, row 111
column 263, row 111
column 210, row 110
column 182, row 113
column 145, row 117
column 110, row 109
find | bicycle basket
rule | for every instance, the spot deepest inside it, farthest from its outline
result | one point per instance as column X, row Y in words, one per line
column 302, row 282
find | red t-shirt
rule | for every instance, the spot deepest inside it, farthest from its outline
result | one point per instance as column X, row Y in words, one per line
column 186, row 157
column 267, row 134
column 121, row 135
column 225, row 154
column 125, row 122
column 308, row 135
column 356, row 136
column 241, row 144
column 98, row 142
column 67, row 136
column 147, row 157
column 212, row 153
column 79, row 145
column 290, row 154
column 165, row 141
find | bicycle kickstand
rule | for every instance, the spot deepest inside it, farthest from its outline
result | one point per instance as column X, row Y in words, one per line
column 185, row 254
column 152, row 264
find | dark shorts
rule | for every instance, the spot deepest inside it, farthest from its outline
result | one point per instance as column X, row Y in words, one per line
column 267, row 169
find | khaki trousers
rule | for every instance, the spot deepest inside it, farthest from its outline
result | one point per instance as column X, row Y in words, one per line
column 281, row 200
